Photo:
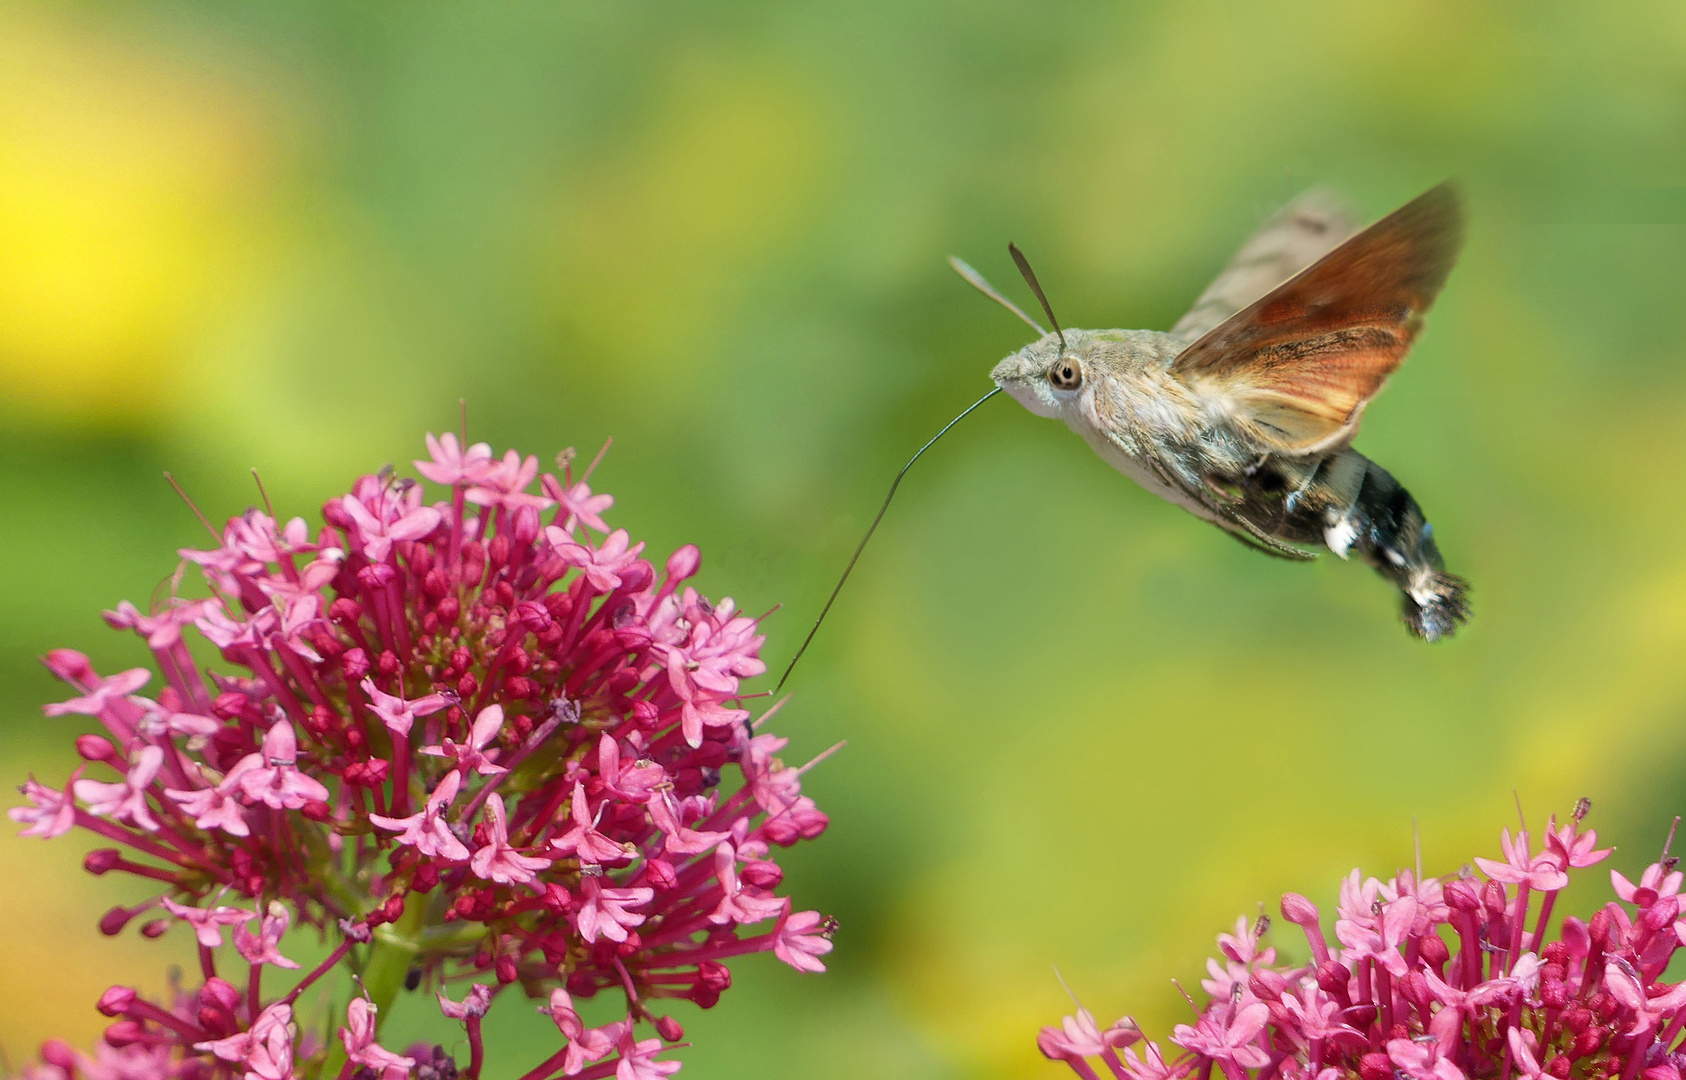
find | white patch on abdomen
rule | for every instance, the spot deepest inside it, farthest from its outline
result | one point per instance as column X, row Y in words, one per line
column 1341, row 536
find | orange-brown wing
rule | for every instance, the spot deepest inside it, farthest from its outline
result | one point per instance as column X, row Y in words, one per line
column 1296, row 367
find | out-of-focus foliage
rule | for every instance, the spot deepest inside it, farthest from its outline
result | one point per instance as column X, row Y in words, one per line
column 1083, row 728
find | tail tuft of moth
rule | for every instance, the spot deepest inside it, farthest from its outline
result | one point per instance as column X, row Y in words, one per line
column 1435, row 604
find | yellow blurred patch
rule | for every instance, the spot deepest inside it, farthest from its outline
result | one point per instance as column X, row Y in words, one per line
column 1630, row 680
column 56, row 960
column 126, row 192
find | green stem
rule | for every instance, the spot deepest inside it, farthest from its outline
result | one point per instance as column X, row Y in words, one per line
column 395, row 948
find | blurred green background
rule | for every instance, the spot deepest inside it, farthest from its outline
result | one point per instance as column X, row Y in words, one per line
column 1083, row 727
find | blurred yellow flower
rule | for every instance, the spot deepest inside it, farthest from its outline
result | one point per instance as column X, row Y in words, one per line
column 129, row 192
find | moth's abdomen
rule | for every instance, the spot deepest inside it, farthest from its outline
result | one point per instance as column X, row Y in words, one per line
column 1384, row 524
column 1350, row 504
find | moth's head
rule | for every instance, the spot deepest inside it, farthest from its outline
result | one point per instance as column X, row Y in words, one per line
column 1045, row 377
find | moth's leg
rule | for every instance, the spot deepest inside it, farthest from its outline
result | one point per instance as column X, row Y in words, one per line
column 1219, row 489
column 1280, row 551
column 1291, row 501
column 1275, row 546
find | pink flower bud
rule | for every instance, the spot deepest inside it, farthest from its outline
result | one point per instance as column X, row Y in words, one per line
column 320, row 720
column 1332, row 977
column 1461, row 896
column 1267, row 985
column 234, row 705
column 714, row 975
column 59, row 1054
column 95, row 748
column 473, row 562
column 782, row 831
column 70, row 665
column 1298, row 910
column 216, row 1021
column 113, row 921
column 116, row 1001
column 223, row 993
column 660, row 873
column 101, row 860
column 637, row 577
column 683, row 563
column 669, row 1028
column 525, row 526
column 1599, row 929
column 355, row 664
column 125, row 1032
column 1661, row 913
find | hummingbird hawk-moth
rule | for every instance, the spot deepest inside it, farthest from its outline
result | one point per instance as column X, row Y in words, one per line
column 1243, row 413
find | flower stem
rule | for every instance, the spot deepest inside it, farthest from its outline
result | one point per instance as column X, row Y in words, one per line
column 320, row 970
column 477, row 1048
column 395, row 947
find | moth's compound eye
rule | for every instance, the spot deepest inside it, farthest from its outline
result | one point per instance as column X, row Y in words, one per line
column 1066, row 373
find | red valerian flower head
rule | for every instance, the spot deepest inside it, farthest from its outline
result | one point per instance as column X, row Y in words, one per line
column 1441, row 979
column 484, row 717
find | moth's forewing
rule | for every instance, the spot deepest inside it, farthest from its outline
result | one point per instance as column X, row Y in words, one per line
column 1295, row 368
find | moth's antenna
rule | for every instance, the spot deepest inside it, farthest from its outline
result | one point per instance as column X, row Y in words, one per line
column 205, row 521
column 1030, row 279
column 872, row 528
column 268, row 509
column 977, row 282
column 1066, row 987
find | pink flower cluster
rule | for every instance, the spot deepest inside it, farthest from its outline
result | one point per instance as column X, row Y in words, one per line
column 1434, row 979
column 513, row 748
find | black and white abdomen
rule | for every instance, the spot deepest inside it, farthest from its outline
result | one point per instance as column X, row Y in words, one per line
column 1348, row 503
